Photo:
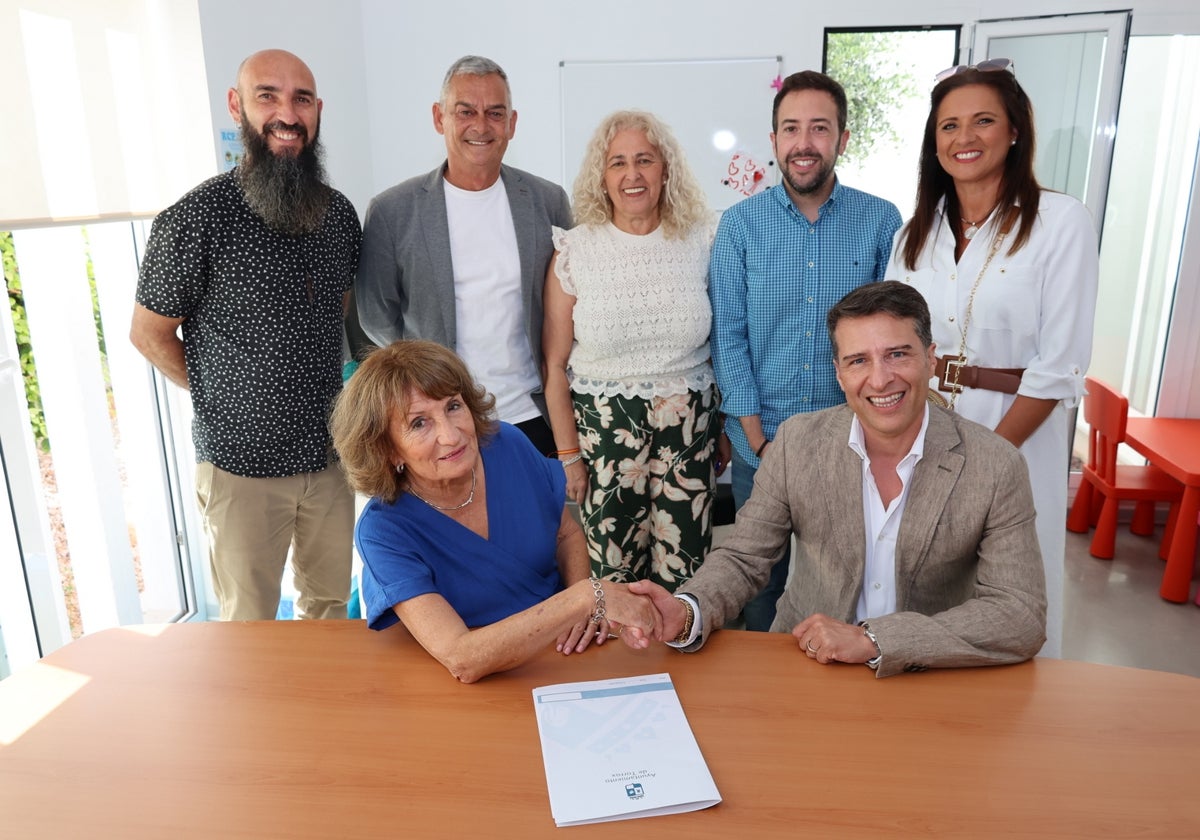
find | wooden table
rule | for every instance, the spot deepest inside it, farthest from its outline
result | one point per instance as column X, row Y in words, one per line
column 324, row 729
column 1173, row 445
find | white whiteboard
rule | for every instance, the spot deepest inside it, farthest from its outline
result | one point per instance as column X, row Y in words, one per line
column 695, row 98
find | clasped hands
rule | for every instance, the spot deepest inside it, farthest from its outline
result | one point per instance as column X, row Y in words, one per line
column 656, row 614
column 637, row 613
column 643, row 611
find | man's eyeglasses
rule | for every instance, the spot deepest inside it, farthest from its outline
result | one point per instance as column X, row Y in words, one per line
column 990, row 65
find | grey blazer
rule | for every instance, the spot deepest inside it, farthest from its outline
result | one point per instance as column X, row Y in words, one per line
column 970, row 590
column 405, row 283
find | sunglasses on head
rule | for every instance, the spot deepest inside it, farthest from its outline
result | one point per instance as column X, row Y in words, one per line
column 992, row 64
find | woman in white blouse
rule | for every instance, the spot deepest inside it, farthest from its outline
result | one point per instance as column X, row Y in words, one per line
column 1010, row 273
column 629, row 383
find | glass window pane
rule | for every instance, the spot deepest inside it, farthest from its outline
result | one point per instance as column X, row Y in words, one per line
column 887, row 76
column 95, row 457
column 1061, row 74
column 1154, row 159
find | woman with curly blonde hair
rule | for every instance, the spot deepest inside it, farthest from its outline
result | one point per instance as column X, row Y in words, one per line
column 629, row 382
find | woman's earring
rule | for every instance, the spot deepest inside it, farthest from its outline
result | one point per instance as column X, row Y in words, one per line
column 400, row 469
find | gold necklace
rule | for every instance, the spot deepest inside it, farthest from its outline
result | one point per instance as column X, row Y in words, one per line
column 470, row 498
column 961, row 359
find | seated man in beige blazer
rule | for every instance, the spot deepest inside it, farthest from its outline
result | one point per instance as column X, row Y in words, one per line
column 915, row 532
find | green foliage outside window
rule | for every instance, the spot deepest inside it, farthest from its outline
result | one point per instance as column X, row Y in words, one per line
column 16, row 305
column 865, row 65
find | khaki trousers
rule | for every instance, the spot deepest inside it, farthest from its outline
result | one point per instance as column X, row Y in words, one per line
column 252, row 522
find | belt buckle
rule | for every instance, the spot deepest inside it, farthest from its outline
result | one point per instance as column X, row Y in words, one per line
column 948, row 381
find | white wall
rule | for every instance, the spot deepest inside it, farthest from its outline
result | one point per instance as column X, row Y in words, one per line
column 328, row 37
column 531, row 37
column 379, row 64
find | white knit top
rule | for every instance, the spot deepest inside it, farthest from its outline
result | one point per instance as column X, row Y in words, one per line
column 642, row 315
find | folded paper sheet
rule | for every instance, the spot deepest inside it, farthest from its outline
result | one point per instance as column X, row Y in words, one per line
column 618, row 749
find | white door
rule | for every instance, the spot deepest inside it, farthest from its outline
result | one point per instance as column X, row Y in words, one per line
column 1071, row 66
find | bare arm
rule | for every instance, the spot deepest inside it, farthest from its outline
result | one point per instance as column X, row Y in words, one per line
column 752, row 426
column 558, row 337
column 157, row 338
column 473, row 654
column 573, row 563
column 1023, row 418
column 574, row 566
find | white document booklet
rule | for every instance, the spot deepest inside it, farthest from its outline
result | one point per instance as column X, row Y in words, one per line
column 618, row 749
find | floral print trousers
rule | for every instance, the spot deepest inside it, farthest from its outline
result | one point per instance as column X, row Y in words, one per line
column 648, row 510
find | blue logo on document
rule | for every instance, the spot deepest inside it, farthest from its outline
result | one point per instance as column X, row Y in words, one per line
column 634, row 791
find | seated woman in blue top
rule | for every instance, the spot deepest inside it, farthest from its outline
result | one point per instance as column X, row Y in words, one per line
column 466, row 539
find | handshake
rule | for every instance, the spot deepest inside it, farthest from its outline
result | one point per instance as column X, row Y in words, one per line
column 637, row 613
column 643, row 611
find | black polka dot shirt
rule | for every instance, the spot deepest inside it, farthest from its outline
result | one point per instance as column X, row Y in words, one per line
column 262, row 334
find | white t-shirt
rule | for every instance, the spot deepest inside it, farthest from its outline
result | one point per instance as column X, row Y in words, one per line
column 488, row 306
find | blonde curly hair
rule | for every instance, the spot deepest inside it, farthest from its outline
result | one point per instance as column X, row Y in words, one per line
column 682, row 204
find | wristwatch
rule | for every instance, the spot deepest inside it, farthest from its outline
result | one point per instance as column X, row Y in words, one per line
column 873, row 664
column 687, row 622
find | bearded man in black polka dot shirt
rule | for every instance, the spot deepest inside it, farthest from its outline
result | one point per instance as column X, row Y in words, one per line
column 254, row 266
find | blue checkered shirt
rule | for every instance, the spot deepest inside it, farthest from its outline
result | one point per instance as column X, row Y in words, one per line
column 772, row 279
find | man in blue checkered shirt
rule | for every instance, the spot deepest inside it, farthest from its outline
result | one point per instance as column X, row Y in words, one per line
column 780, row 260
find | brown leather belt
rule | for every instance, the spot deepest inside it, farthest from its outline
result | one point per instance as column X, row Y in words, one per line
column 950, row 370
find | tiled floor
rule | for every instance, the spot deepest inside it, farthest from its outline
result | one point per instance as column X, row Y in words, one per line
column 1113, row 614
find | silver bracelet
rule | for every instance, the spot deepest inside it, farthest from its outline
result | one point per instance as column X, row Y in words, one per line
column 573, row 459
column 598, row 610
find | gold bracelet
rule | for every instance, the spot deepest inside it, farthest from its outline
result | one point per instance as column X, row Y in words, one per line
column 687, row 623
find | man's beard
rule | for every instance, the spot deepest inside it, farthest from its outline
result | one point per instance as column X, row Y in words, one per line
column 288, row 191
column 814, row 180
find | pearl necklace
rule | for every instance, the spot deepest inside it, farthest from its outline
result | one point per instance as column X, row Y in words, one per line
column 470, row 498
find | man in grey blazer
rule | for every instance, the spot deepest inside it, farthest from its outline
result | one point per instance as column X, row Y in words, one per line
column 459, row 255
column 915, row 532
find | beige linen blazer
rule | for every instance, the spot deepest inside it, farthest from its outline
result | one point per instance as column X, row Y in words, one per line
column 970, row 588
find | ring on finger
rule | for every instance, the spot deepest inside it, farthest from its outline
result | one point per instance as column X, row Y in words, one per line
column 808, row 646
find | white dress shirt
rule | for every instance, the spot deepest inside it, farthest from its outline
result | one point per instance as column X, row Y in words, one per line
column 878, row 596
